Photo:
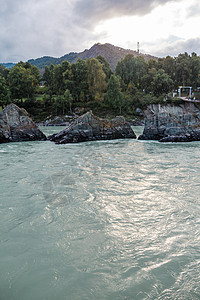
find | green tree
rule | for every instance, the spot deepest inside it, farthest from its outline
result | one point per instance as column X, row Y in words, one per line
column 105, row 66
column 67, row 75
column 58, row 78
column 62, row 103
column 195, row 70
column 96, row 79
column 114, row 97
column 4, row 92
column 4, row 71
column 168, row 65
column 58, row 81
column 15, row 79
column 48, row 78
column 68, row 99
column 61, row 78
column 33, row 70
column 79, row 84
column 131, row 69
column 182, row 69
column 153, row 64
column 59, row 104
column 29, row 83
column 147, row 79
column 161, row 83
column 23, row 81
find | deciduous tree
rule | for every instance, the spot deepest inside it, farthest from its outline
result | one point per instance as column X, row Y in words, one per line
column 4, row 92
column 131, row 69
column 161, row 83
column 79, row 84
column 23, row 80
column 114, row 96
column 96, row 79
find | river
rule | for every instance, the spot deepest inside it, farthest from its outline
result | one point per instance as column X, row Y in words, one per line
column 99, row 220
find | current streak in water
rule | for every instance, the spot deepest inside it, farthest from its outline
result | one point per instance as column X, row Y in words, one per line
column 99, row 220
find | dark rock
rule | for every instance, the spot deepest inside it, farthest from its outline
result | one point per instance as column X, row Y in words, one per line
column 16, row 126
column 139, row 111
column 167, row 123
column 57, row 121
column 91, row 128
column 176, row 139
column 137, row 121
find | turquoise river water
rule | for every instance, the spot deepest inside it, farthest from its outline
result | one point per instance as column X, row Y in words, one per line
column 99, row 220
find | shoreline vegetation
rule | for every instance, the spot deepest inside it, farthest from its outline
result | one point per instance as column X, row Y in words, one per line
column 68, row 90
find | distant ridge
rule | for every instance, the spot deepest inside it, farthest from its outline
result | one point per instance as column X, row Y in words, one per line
column 8, row 65
column 112, row 53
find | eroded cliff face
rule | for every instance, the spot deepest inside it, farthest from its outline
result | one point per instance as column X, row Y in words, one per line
column 172, row 123
column 16, row 126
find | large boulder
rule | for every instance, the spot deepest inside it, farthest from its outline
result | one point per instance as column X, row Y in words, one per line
column 16, row 126
column 172, row 123
column 91, row 128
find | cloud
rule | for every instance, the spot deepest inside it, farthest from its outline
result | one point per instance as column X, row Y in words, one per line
column 32, row 28
column 193, row 10
column 177, row 46
column 35, row 28
column 91, row 12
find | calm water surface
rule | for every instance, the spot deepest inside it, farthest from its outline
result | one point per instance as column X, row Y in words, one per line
column 99, row 220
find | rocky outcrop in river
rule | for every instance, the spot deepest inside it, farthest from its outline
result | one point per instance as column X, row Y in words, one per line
column 172, row 123
column 16, row 126
column 91, row 128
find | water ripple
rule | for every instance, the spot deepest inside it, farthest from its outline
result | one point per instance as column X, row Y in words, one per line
column 100, row 220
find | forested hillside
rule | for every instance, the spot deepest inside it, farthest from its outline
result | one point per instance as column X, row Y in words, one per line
column 92, row 84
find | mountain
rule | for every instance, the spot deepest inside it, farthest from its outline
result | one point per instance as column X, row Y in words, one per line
column 8, row 65
column 112, row 53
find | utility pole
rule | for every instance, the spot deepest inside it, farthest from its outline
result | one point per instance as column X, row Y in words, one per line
column 138, row 47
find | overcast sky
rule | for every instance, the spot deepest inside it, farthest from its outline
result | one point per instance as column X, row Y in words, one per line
column 35, row 28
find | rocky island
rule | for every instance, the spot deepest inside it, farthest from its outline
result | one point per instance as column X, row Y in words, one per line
column 91, row 128
column 172, row 123
column 16, row 126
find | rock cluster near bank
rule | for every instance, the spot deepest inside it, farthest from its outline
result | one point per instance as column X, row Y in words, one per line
column 172, row 123
column 91, row 128
column 16, row 126
column 164, row 123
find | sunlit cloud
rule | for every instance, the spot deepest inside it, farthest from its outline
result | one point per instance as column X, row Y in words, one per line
column 158, row 33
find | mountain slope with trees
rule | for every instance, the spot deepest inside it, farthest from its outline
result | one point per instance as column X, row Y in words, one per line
column 91, row 84
column 111, row 53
